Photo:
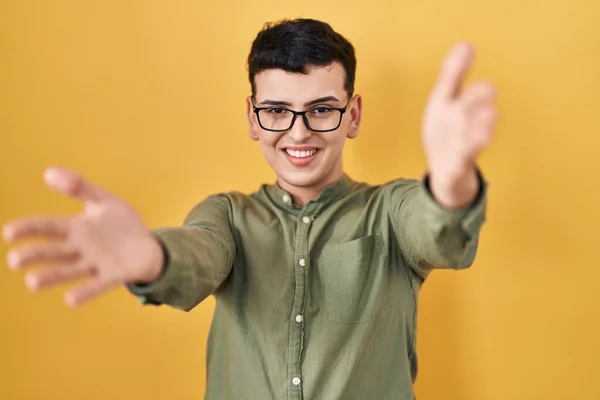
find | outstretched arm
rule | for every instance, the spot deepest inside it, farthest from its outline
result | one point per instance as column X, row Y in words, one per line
column 107, row 245
column 437, row 221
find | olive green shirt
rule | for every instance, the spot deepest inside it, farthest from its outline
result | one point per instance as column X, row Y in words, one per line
column 318, row 302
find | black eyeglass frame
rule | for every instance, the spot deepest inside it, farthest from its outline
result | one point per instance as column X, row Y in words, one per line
column 341, row 110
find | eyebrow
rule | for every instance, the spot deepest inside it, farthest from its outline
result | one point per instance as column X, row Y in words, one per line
column 307, row 104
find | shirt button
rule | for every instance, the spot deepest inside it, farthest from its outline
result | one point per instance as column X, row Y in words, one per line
column 286, row 198
column 302, row 262
column 296, row 381
column 306, row 220
column 299, row 318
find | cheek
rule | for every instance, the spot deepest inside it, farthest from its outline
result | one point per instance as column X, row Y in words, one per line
column 337, row 141
column 335, row 146
column 268, row 144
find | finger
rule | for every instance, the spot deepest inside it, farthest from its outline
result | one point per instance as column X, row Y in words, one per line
column 86, row 292
column 482, row 127
column 480, row 94
column 485, row 116
column 55, row 252
column 55, row 275
column 454, row 68
column 72, row 184
column 30, row 227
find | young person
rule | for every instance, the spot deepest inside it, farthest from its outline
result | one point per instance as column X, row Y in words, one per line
column 316, row 276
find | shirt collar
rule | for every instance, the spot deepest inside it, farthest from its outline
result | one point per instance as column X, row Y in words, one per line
column 329, row 194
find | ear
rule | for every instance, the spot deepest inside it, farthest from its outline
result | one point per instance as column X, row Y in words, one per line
column 355, row 113
column 253, row 127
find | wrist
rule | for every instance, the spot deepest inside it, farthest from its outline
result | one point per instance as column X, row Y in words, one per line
column 153, row 267
column 456, row 187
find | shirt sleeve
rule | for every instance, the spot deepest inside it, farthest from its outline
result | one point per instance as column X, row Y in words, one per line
column 198, row 257
column 430, row 235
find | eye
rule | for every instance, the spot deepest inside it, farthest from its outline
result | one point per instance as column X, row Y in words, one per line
column 276, row 110
column 320, row 110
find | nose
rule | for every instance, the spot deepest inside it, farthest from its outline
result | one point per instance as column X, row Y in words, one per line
column 299, row 132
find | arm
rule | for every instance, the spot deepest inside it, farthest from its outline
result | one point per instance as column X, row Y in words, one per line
column 437, row 221
column 198, row 257
column 431, row 235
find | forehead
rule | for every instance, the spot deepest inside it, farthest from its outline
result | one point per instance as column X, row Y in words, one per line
column 296, row 88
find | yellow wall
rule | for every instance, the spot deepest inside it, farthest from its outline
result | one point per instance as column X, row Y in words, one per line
column 147, row 99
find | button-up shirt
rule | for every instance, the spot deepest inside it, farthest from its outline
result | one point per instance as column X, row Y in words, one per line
column 313, row 302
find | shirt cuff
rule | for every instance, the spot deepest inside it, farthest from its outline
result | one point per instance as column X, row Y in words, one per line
column 147, row 291
column 470, row 218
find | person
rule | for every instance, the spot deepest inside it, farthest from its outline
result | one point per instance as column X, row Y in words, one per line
column 316, row 276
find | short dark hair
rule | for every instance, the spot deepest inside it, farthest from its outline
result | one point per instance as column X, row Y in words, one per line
column 295, row 45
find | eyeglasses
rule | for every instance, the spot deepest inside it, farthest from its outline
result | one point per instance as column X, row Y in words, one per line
column 317, row 119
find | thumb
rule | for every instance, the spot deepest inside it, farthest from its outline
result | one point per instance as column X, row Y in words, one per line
column 454, row 68
column 72, row 184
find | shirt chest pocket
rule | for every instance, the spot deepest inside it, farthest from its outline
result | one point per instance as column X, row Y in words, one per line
column 354, row 276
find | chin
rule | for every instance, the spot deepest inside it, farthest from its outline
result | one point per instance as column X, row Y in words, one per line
column 301, row 178
column 312, row 175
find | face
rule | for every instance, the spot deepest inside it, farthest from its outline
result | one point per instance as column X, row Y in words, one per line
column 301, row 158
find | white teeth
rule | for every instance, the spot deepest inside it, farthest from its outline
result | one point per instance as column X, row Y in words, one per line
column 301, row 154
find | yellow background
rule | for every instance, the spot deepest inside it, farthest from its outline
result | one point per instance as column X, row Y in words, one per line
column 146, row 98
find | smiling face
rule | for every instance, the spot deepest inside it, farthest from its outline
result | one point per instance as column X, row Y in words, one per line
column 304, row 161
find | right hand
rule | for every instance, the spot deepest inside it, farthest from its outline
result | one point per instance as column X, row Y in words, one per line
column 107, row 243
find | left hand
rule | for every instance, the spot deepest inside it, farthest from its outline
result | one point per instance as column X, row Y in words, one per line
column 458, row 125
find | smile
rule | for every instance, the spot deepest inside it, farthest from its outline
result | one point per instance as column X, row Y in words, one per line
column 301, row 157
column 301, row 153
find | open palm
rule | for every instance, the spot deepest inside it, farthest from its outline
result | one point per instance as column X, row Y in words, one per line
column 107, row 243
column 458, row 123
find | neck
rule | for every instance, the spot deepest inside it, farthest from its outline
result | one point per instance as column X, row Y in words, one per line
column 303, row 194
